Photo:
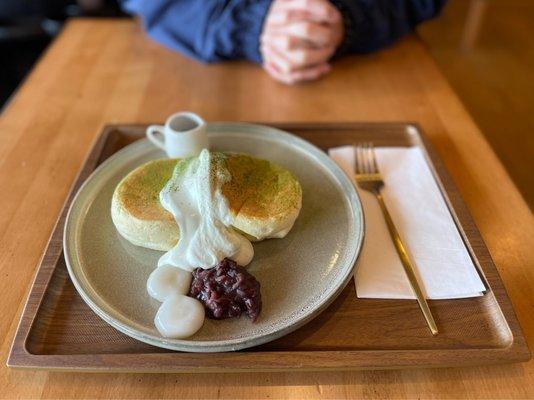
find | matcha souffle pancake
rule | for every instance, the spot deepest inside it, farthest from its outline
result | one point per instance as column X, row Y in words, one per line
column 264, row 200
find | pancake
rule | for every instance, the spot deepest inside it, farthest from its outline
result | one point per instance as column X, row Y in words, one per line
column 264, row 199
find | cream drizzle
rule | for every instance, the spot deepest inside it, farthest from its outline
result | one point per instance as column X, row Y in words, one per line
column 195, row 200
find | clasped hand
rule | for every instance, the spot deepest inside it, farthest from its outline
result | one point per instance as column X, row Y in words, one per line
column 299, row 38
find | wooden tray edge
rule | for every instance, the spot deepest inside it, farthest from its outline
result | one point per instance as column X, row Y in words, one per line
column 53, row 251
column 267, row 361
column 475, row 244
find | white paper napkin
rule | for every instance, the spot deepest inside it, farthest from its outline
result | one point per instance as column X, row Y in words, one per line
column 420, row 213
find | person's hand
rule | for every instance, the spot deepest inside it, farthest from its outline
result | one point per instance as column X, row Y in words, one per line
column 299, row 37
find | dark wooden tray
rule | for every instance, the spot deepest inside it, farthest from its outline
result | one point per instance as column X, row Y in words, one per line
column 58, row 331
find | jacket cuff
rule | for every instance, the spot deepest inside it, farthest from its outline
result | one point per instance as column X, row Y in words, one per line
column 249, row 26
column 350, row 28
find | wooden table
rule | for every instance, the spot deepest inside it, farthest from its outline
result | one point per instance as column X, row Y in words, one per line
column 100, row 72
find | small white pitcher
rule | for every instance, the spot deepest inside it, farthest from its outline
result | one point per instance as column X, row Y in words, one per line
column 183, row 135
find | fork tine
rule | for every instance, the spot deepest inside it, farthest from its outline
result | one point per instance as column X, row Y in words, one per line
column 359, row 160
column 368, row 164
column 355, row 154
column 362, row 158
column 373, row 157
column 369, row 158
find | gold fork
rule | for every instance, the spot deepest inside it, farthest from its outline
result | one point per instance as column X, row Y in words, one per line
column 368, row 178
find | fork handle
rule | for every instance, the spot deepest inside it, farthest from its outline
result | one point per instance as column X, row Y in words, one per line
column 406, row 263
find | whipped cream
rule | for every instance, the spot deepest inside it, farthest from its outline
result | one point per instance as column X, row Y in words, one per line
column 194, row 198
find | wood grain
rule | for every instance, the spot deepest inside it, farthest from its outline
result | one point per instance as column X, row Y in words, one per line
column 59, row 331
column 100, row 72
column 495, row 77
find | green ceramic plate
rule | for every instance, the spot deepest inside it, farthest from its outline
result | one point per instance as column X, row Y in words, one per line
column 299, row 275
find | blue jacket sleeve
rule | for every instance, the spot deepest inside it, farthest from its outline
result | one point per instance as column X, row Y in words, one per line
column 374, row 24
column 207, row 30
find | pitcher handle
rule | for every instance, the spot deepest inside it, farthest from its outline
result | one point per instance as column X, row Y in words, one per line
column 154, row 133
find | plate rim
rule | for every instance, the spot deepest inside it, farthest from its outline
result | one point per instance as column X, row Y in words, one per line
column 218, row 128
